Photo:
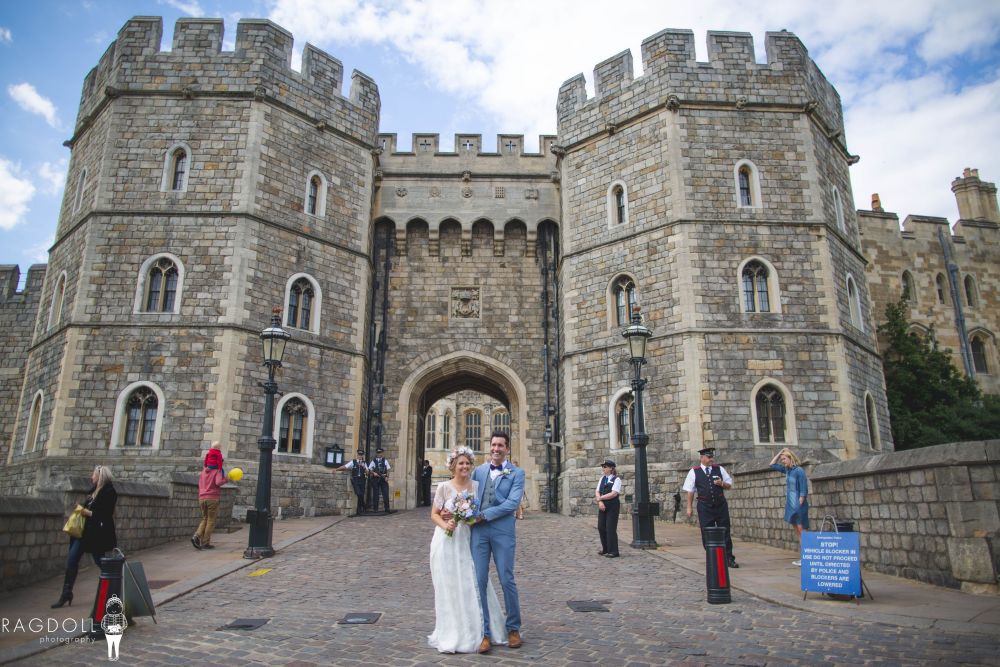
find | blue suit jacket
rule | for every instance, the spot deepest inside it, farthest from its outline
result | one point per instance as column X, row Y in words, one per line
column 509, row 490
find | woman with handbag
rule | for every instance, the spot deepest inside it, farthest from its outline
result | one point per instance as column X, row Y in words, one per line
column 98, row 532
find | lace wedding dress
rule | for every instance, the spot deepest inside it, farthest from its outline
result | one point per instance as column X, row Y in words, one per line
column 458, row 615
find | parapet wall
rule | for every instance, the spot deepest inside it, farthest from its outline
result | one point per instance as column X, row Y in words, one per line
column 259, row 67
column 673, row 78
column 18, row 316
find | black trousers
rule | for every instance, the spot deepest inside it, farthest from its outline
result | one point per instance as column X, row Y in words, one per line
column 380, row 487
column 425, row 491
column 607, row 526
column 358, row 484
column 716, row 515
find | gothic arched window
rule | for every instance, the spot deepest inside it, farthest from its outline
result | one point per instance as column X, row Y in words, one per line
column 970, row 292
column 474, row 430
column 161, row 286
column 141, row 409
column 770, row 404
column 300, row 303
column 430, row 431
column 872, row 419
column 446, row 430
column 291, row 431
column 34, row 422
column 909, row 293
column 624, row 420
column 178, row 170
column 939, row 286
column 58, row 294
column 756, row 298
column 979, row 362
column 854, row 304
column 501, row 421
column 625, row 298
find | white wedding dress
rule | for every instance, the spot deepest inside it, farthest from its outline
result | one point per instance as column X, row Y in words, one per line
column 458, row 615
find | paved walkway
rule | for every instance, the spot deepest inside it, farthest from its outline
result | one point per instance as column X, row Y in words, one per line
column 329, row 567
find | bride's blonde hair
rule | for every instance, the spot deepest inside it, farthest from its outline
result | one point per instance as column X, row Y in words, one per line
column 460, row 451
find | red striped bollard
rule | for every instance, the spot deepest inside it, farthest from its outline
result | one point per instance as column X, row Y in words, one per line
column 716, row 566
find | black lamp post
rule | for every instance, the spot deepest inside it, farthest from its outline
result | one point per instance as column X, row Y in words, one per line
column 259, row 518
column 643, row 511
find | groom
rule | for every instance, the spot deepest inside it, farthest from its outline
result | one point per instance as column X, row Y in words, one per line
column 501, row 486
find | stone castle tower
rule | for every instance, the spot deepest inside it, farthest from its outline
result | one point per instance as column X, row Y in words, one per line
column 207, row 187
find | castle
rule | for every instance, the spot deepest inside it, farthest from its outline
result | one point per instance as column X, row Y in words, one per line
column 207, row 187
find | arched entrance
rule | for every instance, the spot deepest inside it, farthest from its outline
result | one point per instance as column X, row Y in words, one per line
column 447, row 375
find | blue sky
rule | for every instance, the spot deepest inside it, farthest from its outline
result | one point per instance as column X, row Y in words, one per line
column 920, row 79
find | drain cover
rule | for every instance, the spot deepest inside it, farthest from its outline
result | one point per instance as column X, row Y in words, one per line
column 360, row 618
column 245, row 624
column 589, row 605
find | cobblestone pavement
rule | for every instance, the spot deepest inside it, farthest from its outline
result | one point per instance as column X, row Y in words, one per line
column 658, row 613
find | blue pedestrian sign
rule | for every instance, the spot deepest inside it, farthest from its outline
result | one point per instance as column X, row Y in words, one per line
column 831, row 563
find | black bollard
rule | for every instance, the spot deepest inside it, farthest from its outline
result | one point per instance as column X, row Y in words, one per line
column 716, row 565
column 110, row 583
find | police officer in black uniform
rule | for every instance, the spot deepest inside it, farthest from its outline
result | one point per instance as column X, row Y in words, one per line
column 378, row 476
column 709, row 481
column 426, row 473
column 608, row 505
column 359, row 473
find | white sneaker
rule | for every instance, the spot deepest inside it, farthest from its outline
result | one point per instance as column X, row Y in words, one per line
column 797, row 563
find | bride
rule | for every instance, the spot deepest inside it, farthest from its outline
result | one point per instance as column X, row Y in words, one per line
column 458, row 617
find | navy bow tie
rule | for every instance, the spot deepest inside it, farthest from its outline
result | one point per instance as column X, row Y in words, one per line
column 493, row 467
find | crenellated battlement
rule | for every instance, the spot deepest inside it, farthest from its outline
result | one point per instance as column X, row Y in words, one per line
column 10, row 276
column 469, row 153
column 674, row 78
column 258, row 67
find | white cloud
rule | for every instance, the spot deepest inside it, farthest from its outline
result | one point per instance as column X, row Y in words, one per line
column 31, row 101
column 902, row 68
column 39, row 253
column 53, row 175
column 191, row 7
column 5, row 35
column 15, row 193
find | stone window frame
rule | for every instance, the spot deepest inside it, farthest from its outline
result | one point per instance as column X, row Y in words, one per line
column 971, row 289
column 773, row 287
column 611, row 297
column 170, row 167
column 838, row 211
column 78, row 195
column 317, row 306
column 430, row 430
column 477, row 445
column 988, row 357
column 854, row 303
column 446, row 429
column 612, row 205
column 121, row 405
column 940, row 289
column 58, row 299
column 908, row 290
column 753, row 177
column 872, row 422
column 33, row 426
column 791, row 432
column 500, row 413
column 614, row 444
column 139, row 303
column 308, row 428
column 321, row 194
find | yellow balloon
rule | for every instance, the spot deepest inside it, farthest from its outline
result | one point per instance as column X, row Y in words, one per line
column 235, row 475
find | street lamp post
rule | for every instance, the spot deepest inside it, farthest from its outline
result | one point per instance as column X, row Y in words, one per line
column 643, row 511
column 273, row 338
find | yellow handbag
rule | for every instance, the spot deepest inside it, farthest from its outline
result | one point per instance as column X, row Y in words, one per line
column 75, row 522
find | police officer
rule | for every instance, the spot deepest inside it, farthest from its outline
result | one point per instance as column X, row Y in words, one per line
column 608, row 505
column 426, row 473
column 709, row 481
column 359, row 471
column 378, row 475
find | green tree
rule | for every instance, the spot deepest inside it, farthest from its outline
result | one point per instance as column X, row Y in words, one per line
column 930, row 401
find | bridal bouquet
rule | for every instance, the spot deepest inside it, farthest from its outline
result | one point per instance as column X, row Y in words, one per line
column 463, row 508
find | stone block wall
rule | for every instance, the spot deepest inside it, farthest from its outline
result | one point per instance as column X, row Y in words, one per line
column 33, row 546
column 929, row 514
column 18, row 312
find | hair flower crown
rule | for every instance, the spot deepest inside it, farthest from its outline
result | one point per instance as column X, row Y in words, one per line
column 458, row 451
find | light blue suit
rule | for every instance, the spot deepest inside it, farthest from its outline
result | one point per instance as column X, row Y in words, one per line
column 495, row 537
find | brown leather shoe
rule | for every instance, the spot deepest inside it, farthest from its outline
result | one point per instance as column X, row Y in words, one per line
column 514, row 639
column 485, row 646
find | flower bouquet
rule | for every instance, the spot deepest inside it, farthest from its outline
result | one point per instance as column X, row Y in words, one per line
column 463, row 508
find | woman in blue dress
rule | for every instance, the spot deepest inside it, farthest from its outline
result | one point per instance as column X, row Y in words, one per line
column 796, row 491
